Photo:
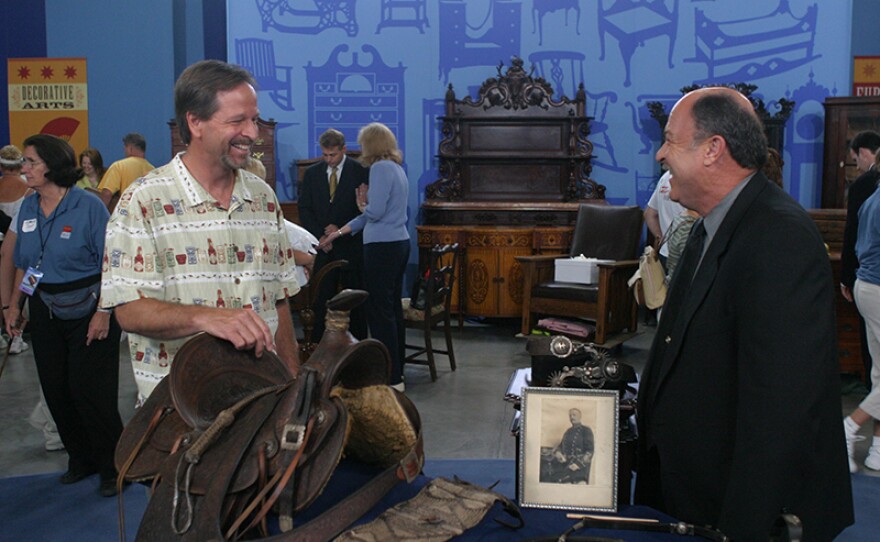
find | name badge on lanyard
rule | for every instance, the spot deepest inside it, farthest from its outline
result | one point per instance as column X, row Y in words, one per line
column 31, row 279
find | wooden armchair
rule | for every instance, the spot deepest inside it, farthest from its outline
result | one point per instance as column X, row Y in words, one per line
column 604, row 232
column 443, row 261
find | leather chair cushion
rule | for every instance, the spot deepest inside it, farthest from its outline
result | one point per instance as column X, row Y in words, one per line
column 567, row 290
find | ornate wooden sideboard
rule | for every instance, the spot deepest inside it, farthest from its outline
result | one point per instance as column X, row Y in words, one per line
column 489, row 279
column 515, row 164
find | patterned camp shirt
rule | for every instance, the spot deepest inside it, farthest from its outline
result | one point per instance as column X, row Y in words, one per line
column 168, row 239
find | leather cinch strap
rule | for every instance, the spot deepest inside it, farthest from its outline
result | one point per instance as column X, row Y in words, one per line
column 333, row 521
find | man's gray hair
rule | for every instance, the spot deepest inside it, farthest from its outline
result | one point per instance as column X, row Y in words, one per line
column 723, row 114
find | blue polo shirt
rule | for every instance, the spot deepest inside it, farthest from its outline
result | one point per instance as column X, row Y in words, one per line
column 71, row 239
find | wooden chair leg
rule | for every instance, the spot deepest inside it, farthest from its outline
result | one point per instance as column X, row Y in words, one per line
column 447, row 328
column 430, row 350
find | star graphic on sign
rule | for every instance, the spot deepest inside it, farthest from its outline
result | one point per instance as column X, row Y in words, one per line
column 869, row 70
column 70, row 72
column 47, row 72
column 24, row 72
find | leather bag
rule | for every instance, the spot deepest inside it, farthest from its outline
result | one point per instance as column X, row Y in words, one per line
column 649, row 281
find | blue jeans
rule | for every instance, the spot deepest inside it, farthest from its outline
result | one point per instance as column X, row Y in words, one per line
column 384, row 265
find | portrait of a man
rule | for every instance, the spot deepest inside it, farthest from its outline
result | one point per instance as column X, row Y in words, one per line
column 570, row 460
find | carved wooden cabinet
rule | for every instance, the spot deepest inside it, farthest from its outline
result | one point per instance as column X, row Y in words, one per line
column 514, row 167
column 844, row 118
column 489, row 279
column 263, row 149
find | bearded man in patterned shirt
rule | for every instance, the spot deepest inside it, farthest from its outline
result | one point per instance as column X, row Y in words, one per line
column 199, row 244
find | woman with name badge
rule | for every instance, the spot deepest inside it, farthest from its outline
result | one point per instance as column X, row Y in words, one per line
column 58, row 255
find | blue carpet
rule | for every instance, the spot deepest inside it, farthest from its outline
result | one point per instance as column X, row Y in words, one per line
column 37, row 508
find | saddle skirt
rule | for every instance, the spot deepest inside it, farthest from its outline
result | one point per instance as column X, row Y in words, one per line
column 227, row 437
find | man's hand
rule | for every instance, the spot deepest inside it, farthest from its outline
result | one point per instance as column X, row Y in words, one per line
column 846, row 292
column 325, row 243
column 242, row 327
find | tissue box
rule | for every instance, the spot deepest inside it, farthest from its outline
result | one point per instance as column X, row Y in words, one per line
column 580, row 270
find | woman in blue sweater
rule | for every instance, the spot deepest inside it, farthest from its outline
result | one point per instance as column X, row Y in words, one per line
column 383, row 218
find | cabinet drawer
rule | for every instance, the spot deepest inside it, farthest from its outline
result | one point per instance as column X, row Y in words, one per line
column 356, row 102
column 356, row 117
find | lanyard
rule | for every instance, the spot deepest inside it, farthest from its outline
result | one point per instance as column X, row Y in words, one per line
column 50, row 223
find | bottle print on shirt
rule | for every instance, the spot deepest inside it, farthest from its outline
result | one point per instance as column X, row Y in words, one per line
column 139, row 261
column 163, row 356
column 212, row 253
column 220, row 302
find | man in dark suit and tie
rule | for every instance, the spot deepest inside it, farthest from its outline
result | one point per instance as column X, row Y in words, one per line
column 739, row 403
column 326, row 203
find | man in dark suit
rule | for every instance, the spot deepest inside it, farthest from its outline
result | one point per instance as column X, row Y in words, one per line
column 326, row 203
column 739, row 404
column 863, row 150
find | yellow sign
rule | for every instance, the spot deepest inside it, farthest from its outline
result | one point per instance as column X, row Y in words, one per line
column 866, row 76
column 49, row 96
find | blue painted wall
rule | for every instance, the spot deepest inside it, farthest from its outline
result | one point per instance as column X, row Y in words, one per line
column 369, row 64
column 129, row 47
column 345, row 67
column 865, row 37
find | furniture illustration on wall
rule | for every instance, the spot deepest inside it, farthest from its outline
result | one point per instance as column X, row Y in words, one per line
column 263, row 149
column 844, row 118
column 604, row 232
column 498, row 35
column 561, row 67
column 774, row 123
column 435, row 309
column 804, row 140
column 349, row 96
column 403, row 13
column 755, row 47
column 515, row 165
column 258, row 57
column 633, row 22
column 540, row 8
column 293, row 16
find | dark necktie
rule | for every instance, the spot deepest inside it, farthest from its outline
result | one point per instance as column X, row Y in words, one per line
column 333, row 182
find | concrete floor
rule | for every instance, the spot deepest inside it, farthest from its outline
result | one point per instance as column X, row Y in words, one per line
column 464, row 414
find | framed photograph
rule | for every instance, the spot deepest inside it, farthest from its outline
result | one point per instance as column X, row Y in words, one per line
column 568, row 449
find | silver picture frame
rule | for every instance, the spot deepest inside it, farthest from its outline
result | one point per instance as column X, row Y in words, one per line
column 568, row 450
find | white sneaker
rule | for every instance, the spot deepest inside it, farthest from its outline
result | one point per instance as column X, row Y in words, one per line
column 17, row 346
column 851, row 438
column 873, row 459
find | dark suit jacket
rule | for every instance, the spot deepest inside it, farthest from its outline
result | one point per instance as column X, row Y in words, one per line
column 860, row 190
column 316, row 210
column 739, row 406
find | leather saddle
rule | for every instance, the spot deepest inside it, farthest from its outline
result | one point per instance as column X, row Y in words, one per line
column 227, row 437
